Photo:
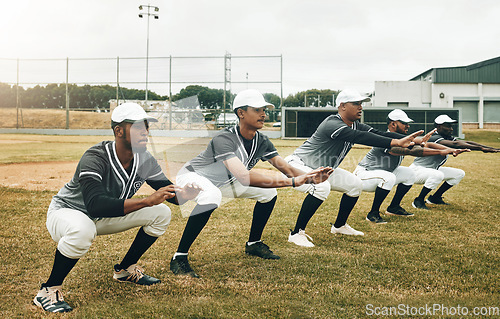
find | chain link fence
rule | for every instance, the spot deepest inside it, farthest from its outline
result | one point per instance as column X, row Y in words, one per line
column 80, row 93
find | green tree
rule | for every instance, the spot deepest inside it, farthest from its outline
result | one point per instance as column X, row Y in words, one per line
column 207, row 97
column 7, row 95
column 273, row 99
column 312, row 97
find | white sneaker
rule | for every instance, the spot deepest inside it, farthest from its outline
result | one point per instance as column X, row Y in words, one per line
column 51, row 299
column 301, row 239
column 346, row 230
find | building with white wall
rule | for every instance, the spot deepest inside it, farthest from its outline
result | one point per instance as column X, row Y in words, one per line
column 474, row 89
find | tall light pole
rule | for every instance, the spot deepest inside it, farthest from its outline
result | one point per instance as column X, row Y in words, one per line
column 156, row 16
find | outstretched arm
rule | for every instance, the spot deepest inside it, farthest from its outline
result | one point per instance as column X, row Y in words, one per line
column 406, row 141
column 419, row 151
column 251, row 178
column 322, row 173
column 470, row 145
column 375, row 138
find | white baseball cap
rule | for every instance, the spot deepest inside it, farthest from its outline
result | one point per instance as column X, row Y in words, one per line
column 130, row 112
column 443, row 118
column 399, row 115
column 350, row 96
column 252, row 98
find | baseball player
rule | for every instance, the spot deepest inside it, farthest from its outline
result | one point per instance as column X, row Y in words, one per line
column 328, row 146
column 98, row 201
column 430, row 171
column 224, row 170
column 380, row 169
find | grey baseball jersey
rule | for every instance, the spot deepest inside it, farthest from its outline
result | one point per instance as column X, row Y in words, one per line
column 101, row 181
column 435, row 161
column 228, row 144
column 333, row 139
column 378, row 158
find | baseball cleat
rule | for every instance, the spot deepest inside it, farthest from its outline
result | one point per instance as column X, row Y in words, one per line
column 346, row 230
column 436, row 200
column 51, row 299
column 261, row 250
column 374, row 217
column 398, row 211
column 133, row 274
column 180, row 266
column 300, row 239
column 419, row 203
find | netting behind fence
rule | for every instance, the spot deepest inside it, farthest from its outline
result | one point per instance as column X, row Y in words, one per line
column 76, row 93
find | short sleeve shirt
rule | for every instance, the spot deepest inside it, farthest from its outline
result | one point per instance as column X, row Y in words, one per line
column 379, row 158
column 101, row 163
column 326, row 147
column 435, row 161
column 228, row 144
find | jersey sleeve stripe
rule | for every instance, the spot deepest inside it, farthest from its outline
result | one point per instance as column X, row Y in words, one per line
column 225, row 154
column 267, row 154
column 153, row 176
column 90, row 173
column 336, row 131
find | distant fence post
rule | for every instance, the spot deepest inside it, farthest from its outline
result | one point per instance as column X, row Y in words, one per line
column 17, row 96
column 170, row 95
column 67, row 94
column 117, row 80
column 281, row 80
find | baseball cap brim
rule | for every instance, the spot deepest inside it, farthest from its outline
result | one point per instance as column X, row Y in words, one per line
column 441, row 119
column 149, row 119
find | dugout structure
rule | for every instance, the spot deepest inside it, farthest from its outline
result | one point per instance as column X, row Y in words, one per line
column 301, row 122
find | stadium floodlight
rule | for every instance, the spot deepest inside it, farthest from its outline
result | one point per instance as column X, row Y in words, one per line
column 155, row 16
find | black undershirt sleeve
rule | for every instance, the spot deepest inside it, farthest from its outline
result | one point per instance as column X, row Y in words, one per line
column 387, row 134
column 157, row 184
column 97, row 202
column 364, row 138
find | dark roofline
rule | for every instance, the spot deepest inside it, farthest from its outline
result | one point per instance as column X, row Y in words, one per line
column 468, row 68
column 418, row 76
column 483, row 63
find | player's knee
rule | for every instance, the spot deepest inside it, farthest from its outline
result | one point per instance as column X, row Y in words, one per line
column 267, row 195
column 355, row 187
column 77, row 240
column 410, row 178
column 458, row 176
column 211, row 196
column 388, row 182
column 161, row 220
column 321, row 190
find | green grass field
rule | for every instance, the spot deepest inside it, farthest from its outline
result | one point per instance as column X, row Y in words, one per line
column 447, row 256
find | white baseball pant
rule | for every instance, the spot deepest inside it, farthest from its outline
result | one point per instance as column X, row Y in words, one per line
column 340, row 181
column 211, row 194
column 384, row 179
column 74, row 231
column 431, row 178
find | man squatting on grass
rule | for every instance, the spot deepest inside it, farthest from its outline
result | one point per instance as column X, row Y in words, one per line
column 328, row 146
column 97, row 201
column 429, row 170
column 380, row 169
column 224, row 170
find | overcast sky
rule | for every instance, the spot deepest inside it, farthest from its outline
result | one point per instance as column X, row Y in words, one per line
column 324, row 43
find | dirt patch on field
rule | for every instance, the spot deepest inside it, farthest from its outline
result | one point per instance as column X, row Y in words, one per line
column 17, row 141
column 53, row 175
column 54, row 119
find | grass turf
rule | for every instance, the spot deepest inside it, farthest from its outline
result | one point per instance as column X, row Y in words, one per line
column 448, row 256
